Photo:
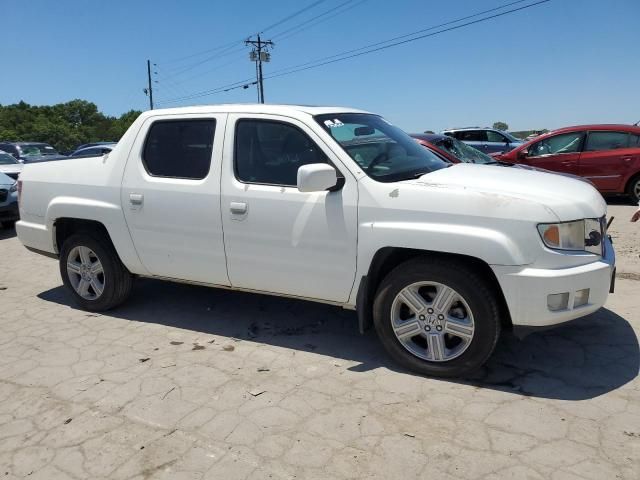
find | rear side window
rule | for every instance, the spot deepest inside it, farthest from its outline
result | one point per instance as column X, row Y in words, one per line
column 179, row 148
column 472, row 136
column 271, row 152
column 634, row 141
column 598, row 141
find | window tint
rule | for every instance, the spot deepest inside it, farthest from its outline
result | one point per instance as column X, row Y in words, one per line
column 565, row 143
column 495, row 137
column 597, row 141
column 179, row 148
column 271, row 152
column 472, row 136
column 634, row 141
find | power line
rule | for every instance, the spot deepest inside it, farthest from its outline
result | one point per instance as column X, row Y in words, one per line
column 458, row 20
column 402, row 42
column 310, row 22
column 370, row 48
column 293, row 15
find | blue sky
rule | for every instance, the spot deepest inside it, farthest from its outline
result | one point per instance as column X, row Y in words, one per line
column 560, row 63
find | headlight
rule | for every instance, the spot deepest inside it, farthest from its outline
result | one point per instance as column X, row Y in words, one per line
column 585, row 235
column 14, row 187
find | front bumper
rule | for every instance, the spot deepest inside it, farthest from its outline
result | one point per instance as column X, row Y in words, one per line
column 526, row 290
column 9, row 212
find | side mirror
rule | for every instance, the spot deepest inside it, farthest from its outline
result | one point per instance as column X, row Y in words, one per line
column 524, row 153
column 316, row 177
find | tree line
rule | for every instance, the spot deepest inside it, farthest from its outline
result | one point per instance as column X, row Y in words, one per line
column 64, row 125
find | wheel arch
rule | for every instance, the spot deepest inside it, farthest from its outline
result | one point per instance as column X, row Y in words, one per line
column 627, row 188
column 387, row 258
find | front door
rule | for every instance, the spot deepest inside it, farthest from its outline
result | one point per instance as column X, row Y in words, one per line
column 277, row 238
column 560, row 153
column 171, row 197
column 607, row 159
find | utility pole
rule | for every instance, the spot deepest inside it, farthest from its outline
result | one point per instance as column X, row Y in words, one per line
column 259, row 54
column 149, row 89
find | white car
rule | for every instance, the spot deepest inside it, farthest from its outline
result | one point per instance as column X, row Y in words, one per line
column 332, row 205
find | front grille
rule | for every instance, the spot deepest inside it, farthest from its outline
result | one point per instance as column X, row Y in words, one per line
column 3, row 195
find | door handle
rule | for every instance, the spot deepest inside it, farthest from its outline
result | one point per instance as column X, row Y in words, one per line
column 136, row 199
column 238, row 208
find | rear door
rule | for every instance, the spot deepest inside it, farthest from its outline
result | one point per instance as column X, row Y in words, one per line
column 171, row 197
column 607, row 159
column 558, row 153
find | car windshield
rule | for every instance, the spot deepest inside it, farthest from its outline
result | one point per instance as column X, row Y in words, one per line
column 37, row 150
column 462, row 151
column 384, row 152
column 6, row 159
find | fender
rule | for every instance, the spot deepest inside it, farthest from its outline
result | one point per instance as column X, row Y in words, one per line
column 108, row 213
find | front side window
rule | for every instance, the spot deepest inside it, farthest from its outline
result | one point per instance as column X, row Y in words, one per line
column 270, row 152
column 382, row 151
column 495, row 137
column 179, row 148
column 598, row 141
column 564, row 143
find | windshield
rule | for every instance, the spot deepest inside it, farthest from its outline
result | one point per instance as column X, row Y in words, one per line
column 384, row 152
column 462, row 151
column 37, row 150
column 6, row 159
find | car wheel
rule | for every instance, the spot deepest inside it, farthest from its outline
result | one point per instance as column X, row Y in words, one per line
column 93, row 273
column 634, row 189
column 437, row 317
column 8, row 223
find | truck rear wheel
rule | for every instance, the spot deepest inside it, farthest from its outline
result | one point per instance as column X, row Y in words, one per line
column 437, row 317
column 93, row 273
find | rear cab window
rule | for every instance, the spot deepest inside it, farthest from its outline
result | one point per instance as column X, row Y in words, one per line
column 179, row 148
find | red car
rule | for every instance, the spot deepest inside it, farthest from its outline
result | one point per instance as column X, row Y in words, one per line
column 607, row 155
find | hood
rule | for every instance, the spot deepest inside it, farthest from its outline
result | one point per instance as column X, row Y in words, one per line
column 567, row 197
column 11, row 168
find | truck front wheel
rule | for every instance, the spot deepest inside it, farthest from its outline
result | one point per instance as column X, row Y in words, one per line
column 437, row 317
column 93, row 273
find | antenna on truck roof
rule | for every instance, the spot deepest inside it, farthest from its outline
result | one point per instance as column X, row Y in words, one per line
column 637, row 123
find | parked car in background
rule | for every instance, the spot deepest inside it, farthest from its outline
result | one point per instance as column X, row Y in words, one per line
column 327, row 204
column 31, row 151
column 487, row 140
column 606, row 155
column 8, row 201
column 451, row 149
column 93, row 150
column 93, row 144
column 9, row 165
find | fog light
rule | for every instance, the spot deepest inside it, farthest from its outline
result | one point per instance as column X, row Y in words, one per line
column 558, row 301
column 581, row 298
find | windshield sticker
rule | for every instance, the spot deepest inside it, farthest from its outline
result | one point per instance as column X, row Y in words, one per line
column 333, row 123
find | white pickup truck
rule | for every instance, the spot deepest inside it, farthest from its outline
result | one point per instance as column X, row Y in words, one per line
column 331, row 205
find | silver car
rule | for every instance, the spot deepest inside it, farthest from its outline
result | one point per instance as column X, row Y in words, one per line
column 8, row 201
column 9, row 165
column 487, row 140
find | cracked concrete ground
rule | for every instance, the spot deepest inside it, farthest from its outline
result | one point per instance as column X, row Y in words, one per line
column 186, row 382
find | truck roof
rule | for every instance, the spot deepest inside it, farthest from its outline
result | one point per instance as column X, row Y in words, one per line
column 254, row 108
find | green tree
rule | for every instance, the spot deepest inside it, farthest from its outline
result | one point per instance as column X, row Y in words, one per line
column 501, row 126
column 65, row 125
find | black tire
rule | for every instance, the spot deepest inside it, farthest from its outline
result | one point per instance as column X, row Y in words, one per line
column 475, row 290
column 633, row 189
column 117, row 279
column 8, row 223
